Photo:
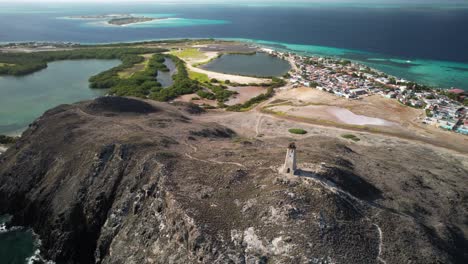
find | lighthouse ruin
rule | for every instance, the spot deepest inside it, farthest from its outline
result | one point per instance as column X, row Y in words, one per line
column 289, row 166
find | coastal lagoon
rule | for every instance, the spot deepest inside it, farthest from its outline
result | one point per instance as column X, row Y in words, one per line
column 165, row 77
column 259, row 64
column 23, row 99
column 441, row 74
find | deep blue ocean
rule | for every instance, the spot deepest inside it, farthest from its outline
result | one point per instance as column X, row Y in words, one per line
column 426, row 43
column 423, row 33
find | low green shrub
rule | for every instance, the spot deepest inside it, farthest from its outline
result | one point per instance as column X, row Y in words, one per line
column 429, row 113
column 8, row 140
column 351, row 136
column 206, row 95
column 298, row 131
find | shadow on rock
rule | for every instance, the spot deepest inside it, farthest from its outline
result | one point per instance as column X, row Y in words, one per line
column 346, row 181
column 117, row 104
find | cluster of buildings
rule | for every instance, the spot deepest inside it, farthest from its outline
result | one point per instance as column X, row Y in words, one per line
column 446, row 113
column 444, row 109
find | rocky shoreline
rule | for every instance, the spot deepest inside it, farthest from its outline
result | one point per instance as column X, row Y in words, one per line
column 3, row 149
column 6, row 142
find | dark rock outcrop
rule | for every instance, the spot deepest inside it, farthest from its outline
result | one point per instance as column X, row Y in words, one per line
column 119, row 180
column 120, row 105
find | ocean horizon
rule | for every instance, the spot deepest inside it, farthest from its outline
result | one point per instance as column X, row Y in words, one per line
column 422, row 44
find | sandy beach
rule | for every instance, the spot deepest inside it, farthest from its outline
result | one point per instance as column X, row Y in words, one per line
column 225, row 77
column 187, row 98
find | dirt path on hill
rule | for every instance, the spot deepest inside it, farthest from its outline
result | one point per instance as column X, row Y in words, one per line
column 195, row 149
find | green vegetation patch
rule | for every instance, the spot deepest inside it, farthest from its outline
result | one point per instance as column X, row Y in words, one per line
column 182, row 83
column 429, row 113
column 351, row 136
column 7, row 140
column 136, row 68
column 298, row 131
column 189, row 53
column 221, row 92
column 242, row 140
column 275, row 83
column 206, row 95
column 6, row 64
column 142, row 83
column 201, row 77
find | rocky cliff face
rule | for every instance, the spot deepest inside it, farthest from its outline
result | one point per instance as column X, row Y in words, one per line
column 119, row 180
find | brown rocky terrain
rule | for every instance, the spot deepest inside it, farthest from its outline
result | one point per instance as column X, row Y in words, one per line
column 119, row 180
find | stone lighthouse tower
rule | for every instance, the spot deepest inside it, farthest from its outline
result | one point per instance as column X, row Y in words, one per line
column 290, row 162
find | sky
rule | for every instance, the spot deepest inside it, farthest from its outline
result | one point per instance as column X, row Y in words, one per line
column 399, row 3
column 240, row 1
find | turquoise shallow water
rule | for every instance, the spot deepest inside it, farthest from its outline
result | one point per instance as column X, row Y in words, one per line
column 23, row 99
column 441, row 74
column 177, row 22
column 169, row 21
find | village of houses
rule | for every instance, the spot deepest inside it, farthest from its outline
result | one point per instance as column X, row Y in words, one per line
column 353, row 81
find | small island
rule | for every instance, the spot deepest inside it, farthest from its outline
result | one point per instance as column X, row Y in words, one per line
column 118, row 19
column 122, row 21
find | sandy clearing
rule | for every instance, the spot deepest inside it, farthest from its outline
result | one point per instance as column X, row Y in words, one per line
column 409, row 119
column 245, row 93
column 188, row 99
column 348, row 117
column 372, row 106
column 247, row 124
column 331, row 113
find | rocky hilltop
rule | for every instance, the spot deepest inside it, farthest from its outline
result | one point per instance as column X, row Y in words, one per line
column 119, row 180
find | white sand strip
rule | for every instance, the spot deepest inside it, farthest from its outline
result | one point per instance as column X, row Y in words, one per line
column 230, row 77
